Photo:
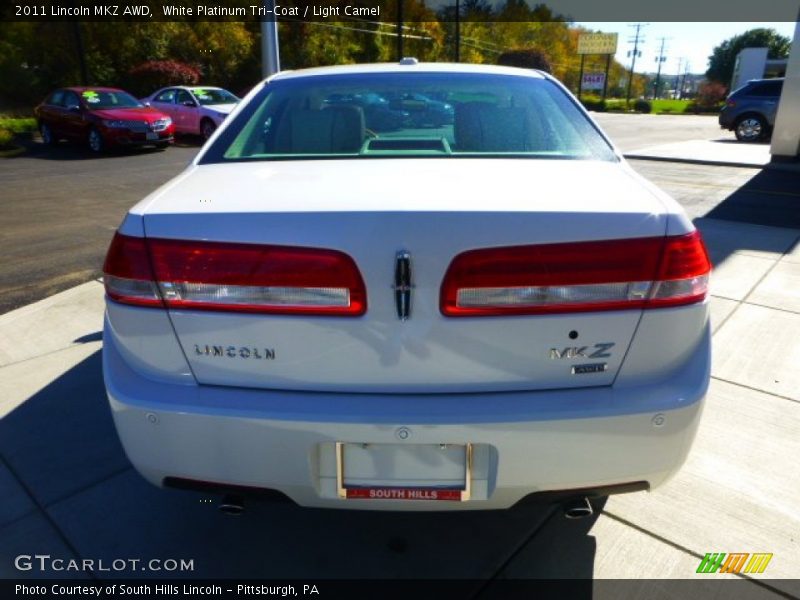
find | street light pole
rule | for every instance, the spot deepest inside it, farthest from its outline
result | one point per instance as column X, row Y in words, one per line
column 270, row 54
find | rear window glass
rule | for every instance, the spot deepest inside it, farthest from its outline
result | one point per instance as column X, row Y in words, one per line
column 56, row 99
column 102, row 99
column 409, row 115
column 770, row 88
column 208, row 96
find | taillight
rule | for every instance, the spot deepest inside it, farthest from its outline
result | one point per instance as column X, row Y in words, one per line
column 577, row 277
column 244, row 277
column 127, row 274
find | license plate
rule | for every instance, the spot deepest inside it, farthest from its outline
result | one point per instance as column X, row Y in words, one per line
column 151, row 135
column 438, row 472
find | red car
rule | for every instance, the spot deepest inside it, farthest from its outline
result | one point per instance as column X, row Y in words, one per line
column 102, row 117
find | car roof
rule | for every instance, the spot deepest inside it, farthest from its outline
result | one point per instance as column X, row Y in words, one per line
column 96, row 88
column 409, row 68
column 765, row 80
column 190, row 87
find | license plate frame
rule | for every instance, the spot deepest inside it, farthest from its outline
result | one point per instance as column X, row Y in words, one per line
column 151, row 136
column 431, row 493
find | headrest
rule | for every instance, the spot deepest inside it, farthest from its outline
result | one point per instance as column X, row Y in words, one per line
column 481, row 127
column 334, row 129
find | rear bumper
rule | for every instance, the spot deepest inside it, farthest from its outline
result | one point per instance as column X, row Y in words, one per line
column 726, row 120
column 129, row 138
column 285, row 441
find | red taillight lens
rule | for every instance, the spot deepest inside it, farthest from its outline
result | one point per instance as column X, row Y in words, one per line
column 127, row 274
column 577, row 277
column 683, row 272
column 252, row 278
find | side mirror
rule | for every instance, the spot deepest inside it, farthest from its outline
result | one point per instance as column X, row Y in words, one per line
column 147, row 104
column 74, row 108
column 189, row 103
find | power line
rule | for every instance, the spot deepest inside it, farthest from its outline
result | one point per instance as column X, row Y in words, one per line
column 370, row 31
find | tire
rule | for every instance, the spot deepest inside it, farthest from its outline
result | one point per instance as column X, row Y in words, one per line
column 207, row 128
column 47, row 135
column 750, row 128
column 95, row 141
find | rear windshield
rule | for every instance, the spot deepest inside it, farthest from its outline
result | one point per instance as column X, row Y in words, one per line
column 214, row 96
column 409, row 115
column 102, row 99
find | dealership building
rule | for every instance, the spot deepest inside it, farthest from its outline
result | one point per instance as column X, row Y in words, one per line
column 786, row 135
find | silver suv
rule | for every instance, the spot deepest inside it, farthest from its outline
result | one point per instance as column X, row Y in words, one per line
column 750, row 111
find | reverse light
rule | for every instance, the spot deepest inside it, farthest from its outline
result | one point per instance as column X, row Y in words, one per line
column 577, row 277
column 233, row 277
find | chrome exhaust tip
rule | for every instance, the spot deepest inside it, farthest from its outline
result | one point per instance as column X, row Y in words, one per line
column 232, row 505
column 578, row 508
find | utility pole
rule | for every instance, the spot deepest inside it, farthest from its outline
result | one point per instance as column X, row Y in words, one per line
column 683, row 81
column 399, row 30
column 635, row 41
column 678, row 79
column 76, row 30
column 270, row 56
column 458, row 31
column 660, row 59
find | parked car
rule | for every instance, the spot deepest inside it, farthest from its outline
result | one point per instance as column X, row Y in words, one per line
column 421, row 319
column 750, row 111
column 101, row 117
column 378, row 115
column 424, row 111
column 194, row 110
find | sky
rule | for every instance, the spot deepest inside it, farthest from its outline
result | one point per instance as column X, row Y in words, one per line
column 688, row 41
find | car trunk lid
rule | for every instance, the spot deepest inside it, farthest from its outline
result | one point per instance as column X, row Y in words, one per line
column 430, row 211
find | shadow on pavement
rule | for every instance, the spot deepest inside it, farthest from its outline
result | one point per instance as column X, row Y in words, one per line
column 62, row 446
column 771, row 197
column 70, row 151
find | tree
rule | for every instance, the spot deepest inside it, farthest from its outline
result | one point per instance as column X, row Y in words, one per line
column 723, row 58
column 529, row 58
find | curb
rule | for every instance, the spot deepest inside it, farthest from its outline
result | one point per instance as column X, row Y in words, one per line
column 697, row 161
column 16, row 151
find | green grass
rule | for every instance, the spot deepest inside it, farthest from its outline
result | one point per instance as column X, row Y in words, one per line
column 5, row 137
column 18, row 125
column 675, row 107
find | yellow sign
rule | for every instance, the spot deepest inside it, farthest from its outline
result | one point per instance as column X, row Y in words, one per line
column 597, row 43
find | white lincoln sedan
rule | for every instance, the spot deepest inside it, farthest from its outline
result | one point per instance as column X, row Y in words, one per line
column 355, row 311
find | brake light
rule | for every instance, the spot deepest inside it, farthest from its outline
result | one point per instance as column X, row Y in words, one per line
column 127, row 274
column 577, row 277
column 236, row 277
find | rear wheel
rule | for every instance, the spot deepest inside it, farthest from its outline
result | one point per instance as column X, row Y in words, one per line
column 95, row 141
column 207, row 128
column 47, row 134
column 750, row 128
